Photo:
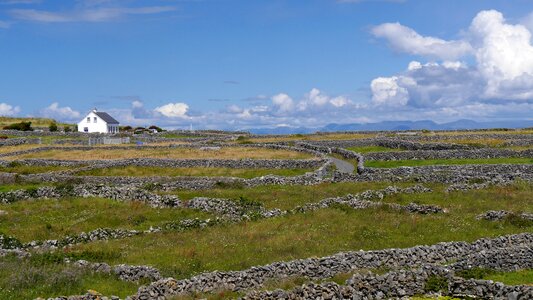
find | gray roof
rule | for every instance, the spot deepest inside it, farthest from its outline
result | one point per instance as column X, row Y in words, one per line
column 106, row 117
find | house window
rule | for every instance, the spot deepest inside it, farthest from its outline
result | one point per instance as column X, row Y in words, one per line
column 94, row 119
column 88, row 119
column 86, row 129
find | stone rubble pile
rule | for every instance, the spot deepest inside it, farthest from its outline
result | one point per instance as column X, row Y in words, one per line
column 498, row 215
column 84, row 237
column 124, row 272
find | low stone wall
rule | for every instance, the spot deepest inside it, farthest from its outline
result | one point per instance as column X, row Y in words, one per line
column 327, row 267
column 449, row 154
column 393, row 143
column 453, row 174
column 400, row 284
column 173, row 163
column 119, row 193
column 498, row 215
column 124, row 272
column 19, row 141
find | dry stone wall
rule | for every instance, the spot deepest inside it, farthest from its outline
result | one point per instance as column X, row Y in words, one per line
column 449, row 154
column 327, row 267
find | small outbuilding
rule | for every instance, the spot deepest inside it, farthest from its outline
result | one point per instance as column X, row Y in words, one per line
column 98, row 122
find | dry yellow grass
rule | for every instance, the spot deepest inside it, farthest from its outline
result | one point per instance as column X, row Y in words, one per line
column 173, row 153
column 8, row 149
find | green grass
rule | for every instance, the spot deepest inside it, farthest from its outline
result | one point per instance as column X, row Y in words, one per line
column 286, row 197
column 431, row 162
column 53, row 218
column 512, row 278
column 24, row 170
column 45, row 278
column 518, row 277
column 19, row 186
column 367, row 149
column 315, row 234
column 199, row 171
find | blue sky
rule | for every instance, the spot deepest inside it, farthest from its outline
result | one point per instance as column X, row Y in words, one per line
column 264, row 63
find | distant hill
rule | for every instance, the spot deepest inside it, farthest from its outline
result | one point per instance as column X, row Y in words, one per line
column 397, row 125
column 35, row 122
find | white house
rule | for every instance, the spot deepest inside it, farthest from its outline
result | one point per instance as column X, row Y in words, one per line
column 98, row 121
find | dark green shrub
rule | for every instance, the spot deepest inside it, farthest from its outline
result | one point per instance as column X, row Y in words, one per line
column 518, row 221
column 22, row 126
column 137, row 220
column 474, row 273
column 32, row 192
column 9, row 242
column 436, row 283
column 342, row 207
column 52, row 127
column 67, row 129
column 248, row 204
column 14, row 164
column 229, row 185
column 151, row 186
column 65, row 188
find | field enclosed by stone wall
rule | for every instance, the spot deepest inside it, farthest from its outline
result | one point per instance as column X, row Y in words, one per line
column 354, row 215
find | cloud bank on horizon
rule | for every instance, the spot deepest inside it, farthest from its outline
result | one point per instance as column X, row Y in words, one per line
column 486, row 73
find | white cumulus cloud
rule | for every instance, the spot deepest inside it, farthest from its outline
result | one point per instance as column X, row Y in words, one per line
column 390, row 91
column 173, row 110
column 504, row 55
column 8, row 110
column 283, row 102
column 502, row 69
column 61, row 113
column 405, row 39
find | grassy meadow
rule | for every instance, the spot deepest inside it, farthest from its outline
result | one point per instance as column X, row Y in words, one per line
column 172, row 153
column 432, row 162
column 197, row 171
column 241, row 245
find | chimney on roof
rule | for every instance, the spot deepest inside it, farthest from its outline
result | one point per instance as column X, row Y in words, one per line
column 95, row 110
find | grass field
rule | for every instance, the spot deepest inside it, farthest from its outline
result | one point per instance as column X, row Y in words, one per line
column 53, row 218
column 323, row 232
column 431, row 162
column 174, row 153
column 9, row 149
column 19, row 186
column 229, row 246
column 286, row 197
column 45, row 275
column 24, row 170
column 199, row 171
